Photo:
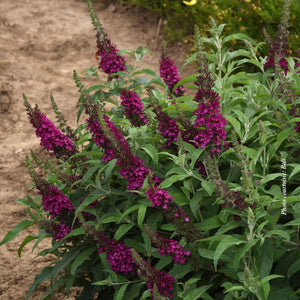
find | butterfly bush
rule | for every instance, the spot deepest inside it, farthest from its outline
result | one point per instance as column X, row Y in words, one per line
column 166, row 195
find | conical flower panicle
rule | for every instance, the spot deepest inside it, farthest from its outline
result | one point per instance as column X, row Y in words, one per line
column 167, row 127
column 168, row 72
column 53, row 200
column 117, row 254
column 278, row 47
column 133, row 108
column 119, row 257
column 56, row 229
column 168, row 247
column 152, row 277
column 209, row 123
column 52, row 139
column 100, row 137
column 110, row 61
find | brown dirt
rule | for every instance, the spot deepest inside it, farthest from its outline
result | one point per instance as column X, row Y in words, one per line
column 41, row 43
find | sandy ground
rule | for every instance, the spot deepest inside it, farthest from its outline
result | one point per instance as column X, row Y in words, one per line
column 41, row 43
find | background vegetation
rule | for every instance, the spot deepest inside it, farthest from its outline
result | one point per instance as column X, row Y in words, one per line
column 244, row 16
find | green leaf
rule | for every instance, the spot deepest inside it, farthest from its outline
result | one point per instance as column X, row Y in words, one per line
column 210, row 223
column 294, row 268
column 152, row 152
column 83, row 256
column 195, row 156
column 109, row 167
column 90, row 172
column 266, row 259
column 226, row 242
column 124, row 228
column 281, row 137
column 281, row 233
column 174, row 178
column 53, row 287
column 270, row 277
column 141, row 215
column 235, row 288
column 206, row 253
column 295, row 170
column 241, row 252
column 28, row 239
column 191, row 78
column 209, row 187
column 295, row 222
column 270, row 177
column 16, row 230
column 43, row 276
column 129, row 211
column 121, row 291
column 151, row 73
column 102, row 282
column 64, row 262
column 235, row 124
column 238, row 36
column 197, row 293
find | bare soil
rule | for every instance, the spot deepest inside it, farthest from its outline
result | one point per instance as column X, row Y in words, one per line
column 41, row 43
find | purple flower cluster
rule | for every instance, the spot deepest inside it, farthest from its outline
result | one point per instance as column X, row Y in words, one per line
column 110, row 61
column 51, row 138
column 54, row 201
column 133, row 108
column 59, row 231
column 159, row 197
column 210, row 125
column 278, row 48
column 163, row 281
column 58, row 206
column 167, row 127
column 119, row 257
column 270, row 63
column 101, row 140
column 171, row 247
column 135, row 174
column 168, row 247
column 234, row 200
column 117, row 254
column 168, row 72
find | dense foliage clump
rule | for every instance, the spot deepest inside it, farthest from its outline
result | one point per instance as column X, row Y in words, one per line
column 186, row 188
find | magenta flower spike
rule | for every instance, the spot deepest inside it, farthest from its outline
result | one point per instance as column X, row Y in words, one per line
column 53, row 200
column 52, row 139
column 168, row 72
column 133, row 108
column 168, row 247
column 119, row 257
column 110, row 61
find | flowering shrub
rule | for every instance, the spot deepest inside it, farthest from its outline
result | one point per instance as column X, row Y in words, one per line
column 173, row 194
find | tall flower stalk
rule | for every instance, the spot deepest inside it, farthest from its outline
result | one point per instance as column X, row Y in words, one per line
column 52, row 139
column 168, row 72
column 278, row 47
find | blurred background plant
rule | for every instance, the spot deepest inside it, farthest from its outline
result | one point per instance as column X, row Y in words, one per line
column 246, row 16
